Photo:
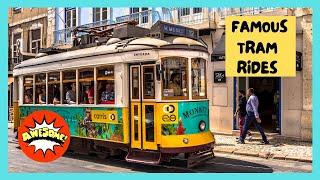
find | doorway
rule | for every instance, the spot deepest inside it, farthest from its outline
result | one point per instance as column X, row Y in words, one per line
column 268, row 91
column 142, row 106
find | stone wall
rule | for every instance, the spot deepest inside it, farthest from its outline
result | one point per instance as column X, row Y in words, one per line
column 25, row 15
column 306, row 115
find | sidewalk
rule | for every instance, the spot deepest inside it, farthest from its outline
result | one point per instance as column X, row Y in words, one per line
column 279, row 148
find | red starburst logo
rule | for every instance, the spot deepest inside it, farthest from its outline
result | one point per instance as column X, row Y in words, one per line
column 44, row 136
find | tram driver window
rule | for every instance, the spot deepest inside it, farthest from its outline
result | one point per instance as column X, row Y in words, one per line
column 198, row 78
column 69, row 87
column 86, row 86
column 41, row 88
column 175, row 78
column 28, row 89
column 54, row 88
column 105, row 81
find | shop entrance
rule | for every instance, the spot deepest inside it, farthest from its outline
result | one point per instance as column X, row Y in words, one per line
column 268, row 91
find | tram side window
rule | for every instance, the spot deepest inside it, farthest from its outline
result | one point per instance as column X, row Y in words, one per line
column 135, row 83
column 40, row 95
column 198, row 78
column 86, row 86
column 54, row 88
column 105, row 89
column 28, row 89
column 69, row 87
column 175, row 78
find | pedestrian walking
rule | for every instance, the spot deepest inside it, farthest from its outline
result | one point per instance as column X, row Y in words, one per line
column 252, row 116
column 241, row 112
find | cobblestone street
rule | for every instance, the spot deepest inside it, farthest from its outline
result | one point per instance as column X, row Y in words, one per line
column 279, row 148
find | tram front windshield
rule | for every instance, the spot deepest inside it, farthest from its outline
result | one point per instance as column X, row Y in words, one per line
column 175, row 79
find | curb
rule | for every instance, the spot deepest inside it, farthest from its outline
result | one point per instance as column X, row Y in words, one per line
column 252, row 154
column 264, row 155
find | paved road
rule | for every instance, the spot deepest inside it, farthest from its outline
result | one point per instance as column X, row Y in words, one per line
column 18, row 162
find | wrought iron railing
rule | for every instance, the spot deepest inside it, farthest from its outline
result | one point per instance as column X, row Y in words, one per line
column 64, row 36
column 98, row 23
column 144, row 18
column 195, row 19
column 223, row 12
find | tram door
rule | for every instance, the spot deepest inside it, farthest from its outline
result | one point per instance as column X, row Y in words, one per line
column 142, row 96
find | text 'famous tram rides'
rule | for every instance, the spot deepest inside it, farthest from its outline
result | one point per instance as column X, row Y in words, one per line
column 139, row 92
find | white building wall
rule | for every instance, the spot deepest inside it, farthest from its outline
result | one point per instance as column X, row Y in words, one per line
column 292, row 99
column 220, row 95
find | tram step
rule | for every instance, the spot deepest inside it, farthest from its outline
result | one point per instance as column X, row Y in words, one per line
column 144, row 157
column 197, row 158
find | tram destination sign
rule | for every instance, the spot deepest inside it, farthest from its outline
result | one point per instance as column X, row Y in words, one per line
column 173, row 29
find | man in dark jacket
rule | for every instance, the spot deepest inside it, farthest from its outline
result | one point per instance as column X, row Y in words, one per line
column 241, row 112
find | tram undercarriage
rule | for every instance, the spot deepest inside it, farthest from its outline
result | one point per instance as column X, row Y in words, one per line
column 103, row 150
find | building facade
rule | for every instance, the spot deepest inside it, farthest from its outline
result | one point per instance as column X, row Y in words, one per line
column 285, row 103
column 27, row 34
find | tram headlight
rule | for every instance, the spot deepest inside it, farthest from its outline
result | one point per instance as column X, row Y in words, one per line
column 202, row 125
column 185, row 140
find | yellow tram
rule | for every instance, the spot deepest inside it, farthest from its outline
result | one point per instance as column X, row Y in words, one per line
column 144, row 96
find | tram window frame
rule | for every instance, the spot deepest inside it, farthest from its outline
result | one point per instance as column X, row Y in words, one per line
column 135, row 83
column 52, row 82
column 103, row 80
column 40, row 83
column 148, row 82
column 199, row 96
column 68, row 83
column 185, row 95
column 28, row 85
column 83, row 82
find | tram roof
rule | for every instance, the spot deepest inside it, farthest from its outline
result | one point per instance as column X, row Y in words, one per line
column 115, row 45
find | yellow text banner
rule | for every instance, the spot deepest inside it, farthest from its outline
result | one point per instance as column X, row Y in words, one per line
column 260, row 46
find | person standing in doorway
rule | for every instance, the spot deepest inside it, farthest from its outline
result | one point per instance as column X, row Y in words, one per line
column 252, row 117
column 241, row 112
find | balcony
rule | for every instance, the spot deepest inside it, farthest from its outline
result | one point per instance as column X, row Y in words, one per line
column 144, row 19
column 242, row 11
column 222, row 13
column 202, row 20
column 63, row 37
